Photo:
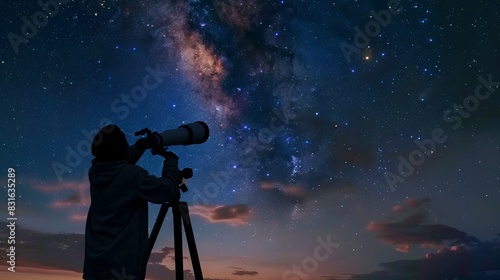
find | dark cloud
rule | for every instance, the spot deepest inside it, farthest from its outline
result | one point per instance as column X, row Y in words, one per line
column 339, row 276
column 245, row 272
column 158, row 257
column 66, row 251
column 47, row 250
column 414, row 203
column 358, row 155
column 410, row 205
column 78, row 200
column 466, row 258
column 480, row 261
column 75, row 198
column 294, row 192
column 235, row 215
column 413, row 230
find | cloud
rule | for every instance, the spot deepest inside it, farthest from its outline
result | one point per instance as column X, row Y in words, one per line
column 78, row 217
column 465, row 258
column 479, row 261
column 79, row 193
column 234, row 215
column 414, row 203
column 245, row 272
column 239, row 16
column 291, row 191
column 338, row 276
column 158, row 257
column 66, row 251
column 47, row 250
column 411, row 204
column 352, row 152
column 413, row 230
column 75, row 197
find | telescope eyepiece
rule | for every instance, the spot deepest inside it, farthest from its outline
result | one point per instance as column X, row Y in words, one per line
column 142, row 132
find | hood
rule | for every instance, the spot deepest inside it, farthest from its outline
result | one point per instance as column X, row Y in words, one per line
column 101, row 174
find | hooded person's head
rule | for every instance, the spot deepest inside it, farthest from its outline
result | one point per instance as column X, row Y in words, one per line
column 110, row 144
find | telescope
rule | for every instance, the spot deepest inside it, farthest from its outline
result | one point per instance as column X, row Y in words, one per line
column 188, row 134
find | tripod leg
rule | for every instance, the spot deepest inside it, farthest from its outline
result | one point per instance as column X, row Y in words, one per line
column 179, row 269
column 152, row 237
column 188, row 229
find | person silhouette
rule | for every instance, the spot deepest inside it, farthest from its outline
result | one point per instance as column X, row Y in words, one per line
column 116, row 230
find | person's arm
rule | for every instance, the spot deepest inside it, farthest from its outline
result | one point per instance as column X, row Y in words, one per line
column 138, row 149
column 134, row 154
column 163, row 189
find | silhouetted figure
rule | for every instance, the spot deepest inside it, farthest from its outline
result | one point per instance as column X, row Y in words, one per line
column 116, row 232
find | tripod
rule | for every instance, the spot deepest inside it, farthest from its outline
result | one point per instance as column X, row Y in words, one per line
column 180, row 213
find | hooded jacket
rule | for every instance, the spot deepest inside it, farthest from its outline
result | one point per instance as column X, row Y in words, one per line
column 116, row 232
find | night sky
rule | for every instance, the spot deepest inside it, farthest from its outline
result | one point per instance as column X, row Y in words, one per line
column 369, row 126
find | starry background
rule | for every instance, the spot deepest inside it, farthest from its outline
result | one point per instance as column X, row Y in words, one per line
column 303, row 135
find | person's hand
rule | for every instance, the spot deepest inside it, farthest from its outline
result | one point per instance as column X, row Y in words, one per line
column 177, row 195
column 171, row 160
column 142, row 144
column 169, row 155
column 164, row 153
